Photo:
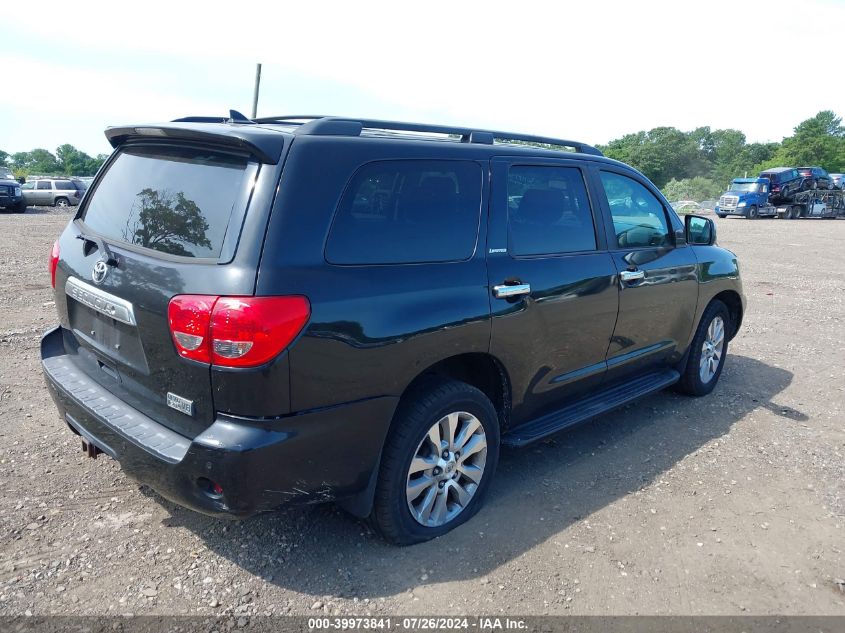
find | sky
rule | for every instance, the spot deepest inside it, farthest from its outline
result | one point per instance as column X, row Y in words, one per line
column 590, row 70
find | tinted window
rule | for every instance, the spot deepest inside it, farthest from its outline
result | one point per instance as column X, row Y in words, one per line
column 173, row 200
column 639, row 219
column 548, row 211
column 43, row 184
column 407, row 211
column 65, row 185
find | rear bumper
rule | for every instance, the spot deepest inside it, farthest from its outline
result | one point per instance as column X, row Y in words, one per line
column 311, row 457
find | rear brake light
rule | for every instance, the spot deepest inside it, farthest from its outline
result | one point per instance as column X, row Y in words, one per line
column 190, row 321
column 54, row 262
column 235, row 331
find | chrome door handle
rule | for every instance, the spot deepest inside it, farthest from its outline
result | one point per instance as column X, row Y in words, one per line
column 632, row 275
column 506, row 292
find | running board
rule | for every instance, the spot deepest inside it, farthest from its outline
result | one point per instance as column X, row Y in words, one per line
column 590, row 407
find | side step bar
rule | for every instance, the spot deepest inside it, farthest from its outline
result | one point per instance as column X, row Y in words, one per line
column 590, row 407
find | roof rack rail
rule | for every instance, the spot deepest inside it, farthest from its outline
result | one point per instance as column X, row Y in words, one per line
column 292, row 119
column 352, row 126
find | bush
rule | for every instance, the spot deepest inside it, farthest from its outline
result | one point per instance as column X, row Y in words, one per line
column 697, row 188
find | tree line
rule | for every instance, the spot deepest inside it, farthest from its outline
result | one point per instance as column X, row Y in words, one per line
column 698, row 165
column 67, row 161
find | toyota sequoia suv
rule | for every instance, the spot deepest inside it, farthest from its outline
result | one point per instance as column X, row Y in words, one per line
column 298, row 310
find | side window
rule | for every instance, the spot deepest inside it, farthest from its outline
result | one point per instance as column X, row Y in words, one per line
column 548, row 211
column 65, row 185
column 28, row 185
column 408, row 211
column 639, row 219
column 43, row 184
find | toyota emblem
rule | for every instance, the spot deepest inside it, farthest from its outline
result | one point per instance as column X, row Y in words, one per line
column 101, row 269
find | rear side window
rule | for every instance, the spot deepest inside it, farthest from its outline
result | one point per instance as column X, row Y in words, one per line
column 174, row 200
column 548, row 211
column 65, row 185
column 407, row 211
column 43, row 185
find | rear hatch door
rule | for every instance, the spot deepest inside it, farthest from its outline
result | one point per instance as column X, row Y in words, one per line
column 169, row 215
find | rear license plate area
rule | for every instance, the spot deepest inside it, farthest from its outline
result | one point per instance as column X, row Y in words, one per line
column 111, row 338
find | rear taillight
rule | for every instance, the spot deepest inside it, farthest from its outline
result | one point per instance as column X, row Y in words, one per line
column 54, row 262
column 235, row 331
column 190, row 321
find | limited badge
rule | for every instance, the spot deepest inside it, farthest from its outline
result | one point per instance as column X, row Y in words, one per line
column 183, row 405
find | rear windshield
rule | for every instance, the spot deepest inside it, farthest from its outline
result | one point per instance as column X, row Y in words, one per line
column 174, row 200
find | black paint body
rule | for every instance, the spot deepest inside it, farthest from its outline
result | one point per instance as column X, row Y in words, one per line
column 310, row 425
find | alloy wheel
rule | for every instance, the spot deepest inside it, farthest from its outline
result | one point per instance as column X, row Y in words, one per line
column 711, row 350
column 446, row 469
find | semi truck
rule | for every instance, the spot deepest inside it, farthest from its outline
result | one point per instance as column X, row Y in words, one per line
column 751, row 198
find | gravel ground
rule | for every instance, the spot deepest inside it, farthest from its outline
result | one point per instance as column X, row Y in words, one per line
column 730, row 504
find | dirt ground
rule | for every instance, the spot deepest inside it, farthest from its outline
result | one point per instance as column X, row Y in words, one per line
column 730, row 504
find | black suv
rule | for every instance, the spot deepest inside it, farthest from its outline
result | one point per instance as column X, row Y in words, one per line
column 324, row 309
column 785, row 183
column 11, row 196
column 814, row 178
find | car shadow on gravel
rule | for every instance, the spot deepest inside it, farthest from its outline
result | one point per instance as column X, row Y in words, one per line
column 538, row 492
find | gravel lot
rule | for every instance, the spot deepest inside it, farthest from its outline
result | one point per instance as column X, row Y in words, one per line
column 730, row 504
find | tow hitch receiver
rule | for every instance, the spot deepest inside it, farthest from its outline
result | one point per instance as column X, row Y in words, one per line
column 91, row 450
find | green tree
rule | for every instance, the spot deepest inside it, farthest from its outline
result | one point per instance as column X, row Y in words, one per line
column 661, row 154
column 817, row 141
column 38, row 161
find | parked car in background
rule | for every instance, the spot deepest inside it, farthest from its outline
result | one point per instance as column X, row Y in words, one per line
column 5, row 174
column 53, row 192
column 785, row 181
column 687, row 206
column 11, row 196
column 814, row 178
column 837, row 181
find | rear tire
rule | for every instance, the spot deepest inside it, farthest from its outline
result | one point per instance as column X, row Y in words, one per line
column 61, row 203
column 405, row 483
column 707, row 351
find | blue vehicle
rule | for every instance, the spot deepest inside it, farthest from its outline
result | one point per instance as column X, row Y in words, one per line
column 748, row 197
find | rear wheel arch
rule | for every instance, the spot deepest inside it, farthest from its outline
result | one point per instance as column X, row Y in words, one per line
column 483, row 371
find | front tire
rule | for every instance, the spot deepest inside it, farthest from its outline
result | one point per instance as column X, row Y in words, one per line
column 707, row 351
column 438, row 462
column 752, row 212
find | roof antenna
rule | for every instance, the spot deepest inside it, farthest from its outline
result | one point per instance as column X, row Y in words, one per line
column 237, row 117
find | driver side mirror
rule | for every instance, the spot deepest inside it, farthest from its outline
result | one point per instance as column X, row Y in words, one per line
column 699, row 230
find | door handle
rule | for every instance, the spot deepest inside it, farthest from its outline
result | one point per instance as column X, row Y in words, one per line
column 632, row 275
column 506, row 292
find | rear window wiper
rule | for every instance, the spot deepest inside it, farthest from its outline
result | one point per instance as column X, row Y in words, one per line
column 109, row 257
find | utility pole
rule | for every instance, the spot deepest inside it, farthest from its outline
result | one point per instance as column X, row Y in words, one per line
column 255, row 94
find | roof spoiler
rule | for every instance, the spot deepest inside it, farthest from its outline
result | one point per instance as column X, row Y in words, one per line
column 267, row 148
